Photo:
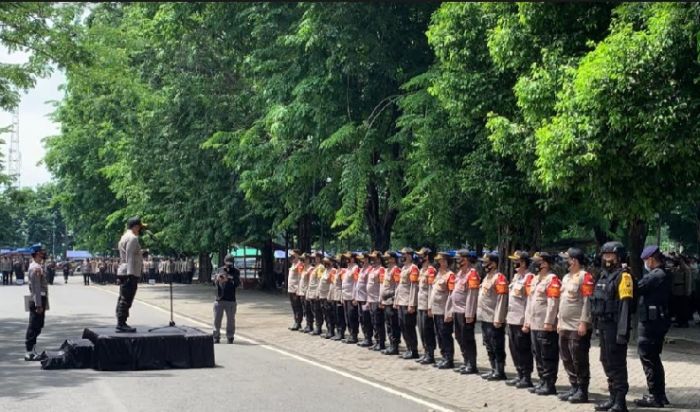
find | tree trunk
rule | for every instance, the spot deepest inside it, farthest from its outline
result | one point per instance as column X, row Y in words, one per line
column 380, row 224
column 637, row 234
column 223, row 251
column 304, row 233
column 205, row 268
column 268, row 274
column 601, row 236
column 504, row 247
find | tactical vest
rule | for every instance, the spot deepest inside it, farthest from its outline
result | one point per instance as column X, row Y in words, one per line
column 604, row 302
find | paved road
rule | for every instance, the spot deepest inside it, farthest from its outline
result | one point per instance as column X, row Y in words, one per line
column 249, row 377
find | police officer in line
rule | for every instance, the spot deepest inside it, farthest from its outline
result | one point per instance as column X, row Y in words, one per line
column 38, row 302
column 463, row 301
column 303, row 293
column 491, row 312
column 440, row 311
column 426, row 327
column 337, row 298
column 611, row 307
column 654, row 320
column 519, row 342
column 326, row 272
column 387, row 294
column 351, row 308
column 406, row 302
column 541, row 322
column 312, row 293
column 293, row 278
column 129, row 271
column 574, row 325
column 360, row 297
column 374, row 285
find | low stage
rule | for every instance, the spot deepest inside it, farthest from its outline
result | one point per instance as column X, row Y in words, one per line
column 161, row 348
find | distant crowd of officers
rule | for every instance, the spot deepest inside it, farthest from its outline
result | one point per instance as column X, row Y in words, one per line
column 443, row 297
column 100, row 270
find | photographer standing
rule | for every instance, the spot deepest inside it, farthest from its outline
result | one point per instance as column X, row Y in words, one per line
column 227, row 280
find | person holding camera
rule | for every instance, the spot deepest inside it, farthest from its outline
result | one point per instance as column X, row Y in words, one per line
column 227, row 280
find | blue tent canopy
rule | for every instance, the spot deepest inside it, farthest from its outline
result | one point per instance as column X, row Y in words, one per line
column 78, row 254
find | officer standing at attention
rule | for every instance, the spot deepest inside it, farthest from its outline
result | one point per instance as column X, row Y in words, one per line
column 39, row 301
column 406, row 302
column 337, row 298
column 350, row 307
column 437, row 305
column 129, row 271
column 611, row 307
column 463, row 305
column 541, row 322
column 293, row 278
column 491, row 312
column 361, row 296
column 574, row 326
column 387, row 293
column 312, row 293
column 654, row 320
column 303, row 291
column 518, row 341
column 426, row 327
column 374, row 282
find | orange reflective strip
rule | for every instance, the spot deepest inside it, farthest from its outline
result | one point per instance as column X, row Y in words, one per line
column 588, row 285
column 554, row 288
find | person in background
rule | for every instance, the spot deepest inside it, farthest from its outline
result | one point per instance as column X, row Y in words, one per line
column 38, row 303
column 66, row 271
column 228, row 278
column 6, row 268
column 682, row 289
column 86, row 269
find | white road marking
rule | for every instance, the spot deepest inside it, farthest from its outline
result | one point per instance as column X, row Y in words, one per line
column 432, row 406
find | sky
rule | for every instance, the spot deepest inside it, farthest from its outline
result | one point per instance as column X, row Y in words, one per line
column 34, row 123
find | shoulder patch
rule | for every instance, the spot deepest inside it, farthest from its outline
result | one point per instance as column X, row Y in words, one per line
column 431, row 275
column 625, row 287
column 588, row 285
column 451, row 282
column 501, row 284
column 554, row 288
column 413, row 276
column 396, row 274
column 473, row 280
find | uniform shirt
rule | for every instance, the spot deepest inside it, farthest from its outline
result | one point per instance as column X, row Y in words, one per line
column 294, row 277
column 442, row 287
column 654, row 296
column 304, row 281
column 5, row 265
column 493, row 298
column 86, row 268
column 407, row 289
column 517, row 298
column 314, row 280
column 465, row 293
column 374, row 281
column 387, row 291
column 130, row 255
column 574, row 302
column 359, row 294
column 350, row 278
column 38, row 284
column 337, row 286
column 543, row 301
column 425, row 285
column 324, row 283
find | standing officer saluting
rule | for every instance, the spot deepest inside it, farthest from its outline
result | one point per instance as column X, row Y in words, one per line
column 654, row 320
column 129, row 271
column 38, row 301
column 611, row 307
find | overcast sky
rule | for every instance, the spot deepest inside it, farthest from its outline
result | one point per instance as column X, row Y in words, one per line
column 34, row 123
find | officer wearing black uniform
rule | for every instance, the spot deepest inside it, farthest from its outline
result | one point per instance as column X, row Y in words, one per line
column 611, row 307
column 654, row 320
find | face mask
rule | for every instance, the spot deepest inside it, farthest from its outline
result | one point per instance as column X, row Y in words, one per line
column 517, row 265
column 537, row 267
column 647, row 267
column 608, row 264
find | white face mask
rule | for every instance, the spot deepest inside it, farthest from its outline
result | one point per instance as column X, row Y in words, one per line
column 647, row 267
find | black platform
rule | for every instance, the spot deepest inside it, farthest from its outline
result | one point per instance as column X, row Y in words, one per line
column 169, row 347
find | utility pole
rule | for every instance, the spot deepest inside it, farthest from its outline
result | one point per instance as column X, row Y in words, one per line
column 14, row 157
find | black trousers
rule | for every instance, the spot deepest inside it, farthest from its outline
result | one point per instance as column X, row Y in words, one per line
column 36, row 323
column 339, row 317
column 649, row 347
column 573, row 350
column 545, row 350
column 50, row 276
column 5, row 278
column 426, row 328
column 407, row 324
column 352, row 317
column 317, row 307
column 681, row 308
column 329, row 315
column 65, row 276
column 366, row 321
column 520, row 347
column 495, row 341
column 86, row 279
column 393, row 331
column 443, row 332
column 464, row 335
column 127, row 292
column 613, row 356
column 378, row 322
column 297, row 308
column 308, row 312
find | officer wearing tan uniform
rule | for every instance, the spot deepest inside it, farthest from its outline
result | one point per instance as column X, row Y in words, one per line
column 374, row 283
column 337, row 298
column 518, row 341
column 325, row 272
column 407, row 301
column 387, row 292
column 312, row 293
column 293, row 279
column 541, row 321
column 350, row 307
column 491, row 312
column 437, row 305
column 303, row 290
column 426, row 326
column 360, row 298
column 463, row 304
column 574, row 325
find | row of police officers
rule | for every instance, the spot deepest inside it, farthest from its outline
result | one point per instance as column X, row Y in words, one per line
column 435, row 299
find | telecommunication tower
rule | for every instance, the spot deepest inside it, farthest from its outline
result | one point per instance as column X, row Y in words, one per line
column 14, row 157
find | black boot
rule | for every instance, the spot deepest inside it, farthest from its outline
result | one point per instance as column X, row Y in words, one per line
column 410, row 355
column 500, row 373
column 122, row 327
column 380, row 346
column 547, row 388
column 650, row 401
column 391, row 350
column 352, row 339
column 308, row 329
column 581, row 394
column 428, row 359
column 525, row 382
column 422, row 358
column 537, row 387
column 295, row 326
column 606, row 405
column 564, row 396
column 447, row 364
column 620, row 404
column 471, row 368
column 315, row 332
column 514, row 381
column 366, row 343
